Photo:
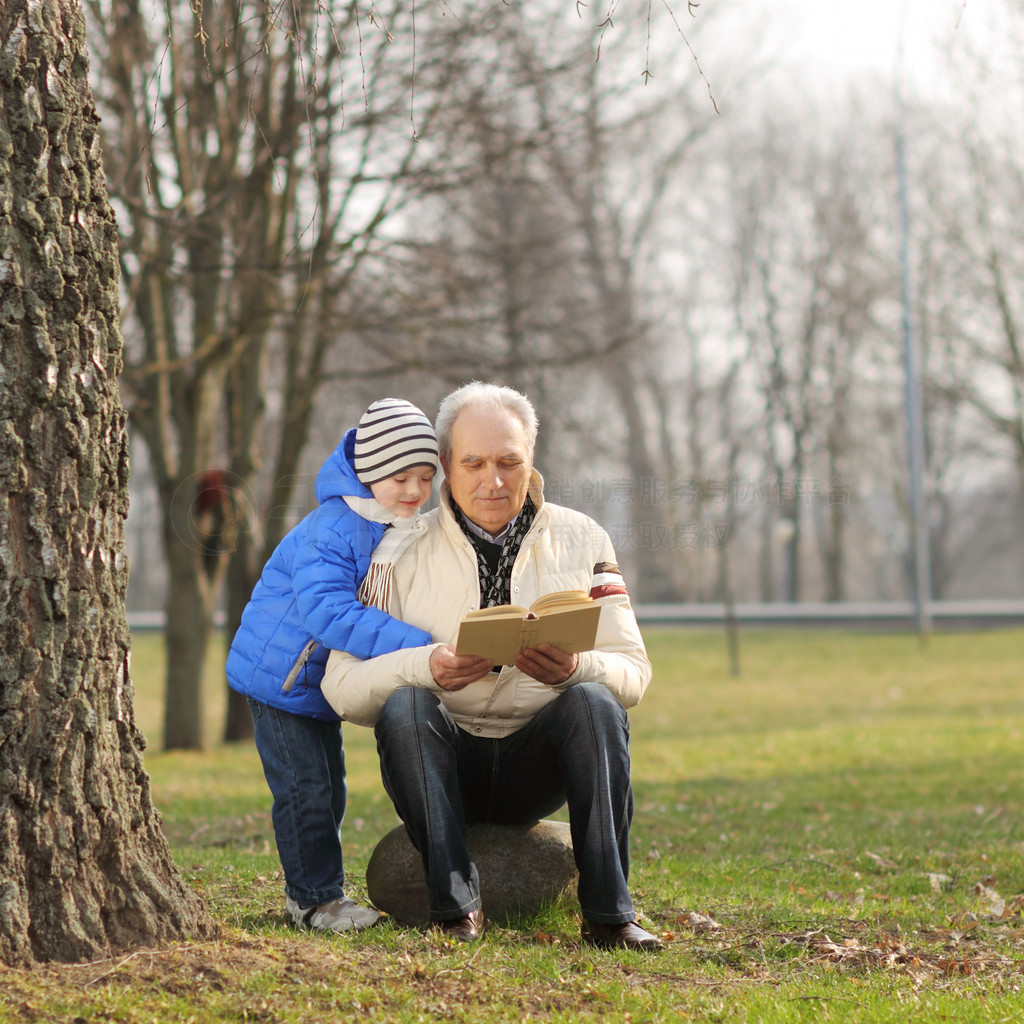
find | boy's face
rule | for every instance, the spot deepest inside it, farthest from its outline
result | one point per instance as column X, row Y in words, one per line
column 404, row 492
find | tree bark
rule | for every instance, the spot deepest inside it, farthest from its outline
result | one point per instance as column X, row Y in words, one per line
column 190, row 596
column 238, row 725
column 84, row 867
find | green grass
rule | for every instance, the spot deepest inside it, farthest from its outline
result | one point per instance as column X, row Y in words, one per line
column 845, row 819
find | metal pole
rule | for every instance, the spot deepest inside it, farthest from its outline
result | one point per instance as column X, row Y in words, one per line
column 922, row 584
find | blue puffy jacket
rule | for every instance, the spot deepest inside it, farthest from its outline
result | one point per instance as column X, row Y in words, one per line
column 305, row 605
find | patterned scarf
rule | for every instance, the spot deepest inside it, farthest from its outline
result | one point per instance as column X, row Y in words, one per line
column 496, row 581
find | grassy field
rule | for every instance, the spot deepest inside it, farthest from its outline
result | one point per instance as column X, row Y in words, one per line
column 835, row 835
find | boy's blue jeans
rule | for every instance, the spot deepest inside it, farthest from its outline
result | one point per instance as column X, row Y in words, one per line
column 304, row 765
column 442, row 778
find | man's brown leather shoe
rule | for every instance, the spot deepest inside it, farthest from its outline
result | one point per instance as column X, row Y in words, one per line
column 465, row 929
column 628, row 935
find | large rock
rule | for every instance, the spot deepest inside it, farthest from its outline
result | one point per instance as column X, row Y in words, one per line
column 521, row 867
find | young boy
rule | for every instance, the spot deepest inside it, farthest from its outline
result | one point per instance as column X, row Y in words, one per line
column 304, row 606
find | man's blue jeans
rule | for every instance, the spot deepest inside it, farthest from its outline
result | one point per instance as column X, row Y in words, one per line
column 441, row 778
column 304, row 765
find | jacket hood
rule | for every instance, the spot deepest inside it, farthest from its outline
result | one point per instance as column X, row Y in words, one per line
column 337, row 477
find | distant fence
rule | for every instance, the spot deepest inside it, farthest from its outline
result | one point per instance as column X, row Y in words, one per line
column 846, row 614
column 841, row 614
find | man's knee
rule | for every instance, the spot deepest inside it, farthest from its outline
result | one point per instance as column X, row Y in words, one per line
column 596, row 696
column 595, row 703
column 407, row 709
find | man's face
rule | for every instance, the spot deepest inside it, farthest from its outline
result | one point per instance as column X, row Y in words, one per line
column 490, row 465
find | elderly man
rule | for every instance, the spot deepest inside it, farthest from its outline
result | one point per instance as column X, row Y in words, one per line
column 464, row 741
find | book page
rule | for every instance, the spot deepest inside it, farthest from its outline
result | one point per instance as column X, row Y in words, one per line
column 571, row 630
column 512, row 611
column 502, row 637
column 567, row 598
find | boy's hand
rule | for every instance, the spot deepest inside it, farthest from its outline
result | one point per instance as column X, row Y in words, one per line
column 547, row 664
column 453, row 671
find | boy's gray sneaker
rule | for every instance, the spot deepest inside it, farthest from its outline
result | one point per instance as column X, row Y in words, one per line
column 340, row 915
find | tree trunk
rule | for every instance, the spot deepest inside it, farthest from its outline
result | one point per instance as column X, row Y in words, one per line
column 239, row 586
column 835, row 535
column 789, row 505
column 186, row 640
column 725, row 585
column 84, row 867
column 187, row 632
column 651, row 526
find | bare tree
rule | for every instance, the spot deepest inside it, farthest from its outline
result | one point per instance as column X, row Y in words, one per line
column 553, row 235
column 966, row 182
column 254, row 158
column 84, row 867
column 972, row 180
column 807, row 283
column 957, row 441
column 991, row 267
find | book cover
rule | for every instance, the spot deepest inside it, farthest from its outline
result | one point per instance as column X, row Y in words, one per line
column 566, row 619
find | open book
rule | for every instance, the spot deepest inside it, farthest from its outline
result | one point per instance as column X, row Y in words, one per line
column 566, row 619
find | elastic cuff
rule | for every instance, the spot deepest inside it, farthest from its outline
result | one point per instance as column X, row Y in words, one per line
column 424, row 677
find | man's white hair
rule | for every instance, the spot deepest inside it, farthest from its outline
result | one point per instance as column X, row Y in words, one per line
column 480, row 395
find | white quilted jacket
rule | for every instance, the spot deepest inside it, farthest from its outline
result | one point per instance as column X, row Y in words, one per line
column 428, row 577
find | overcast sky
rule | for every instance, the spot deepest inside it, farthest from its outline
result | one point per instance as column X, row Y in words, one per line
column 837, row 38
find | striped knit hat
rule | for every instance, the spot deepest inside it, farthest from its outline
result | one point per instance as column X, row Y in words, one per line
column 392, row 436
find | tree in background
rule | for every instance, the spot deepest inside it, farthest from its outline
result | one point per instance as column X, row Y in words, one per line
column 799, row 225
column 254, row 154
column 540, row 230
column 544, row 263
column 84, row 867
column 981, row 233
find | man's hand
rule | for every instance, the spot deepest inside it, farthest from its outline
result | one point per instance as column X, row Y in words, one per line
column 547, row 664
column 453, row 671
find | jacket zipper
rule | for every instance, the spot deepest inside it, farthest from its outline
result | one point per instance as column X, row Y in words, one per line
column 300, row 663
